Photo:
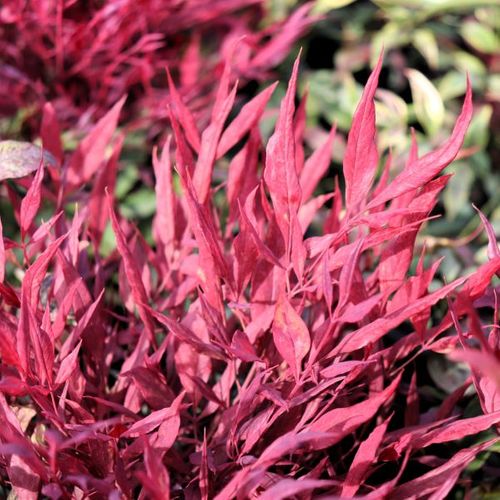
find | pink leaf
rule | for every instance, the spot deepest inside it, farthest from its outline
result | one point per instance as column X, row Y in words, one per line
column 164, row 222
column 68, row 365
column 431, row 164
column 245, row 121
column 316, row 166
column 89, row 155
column 281, row 177
column 208, row 150
column 50, row 132
column 184, row 115
column 363, row 460
column 378, row 328
column 290, row 335
column 440, row 480
column 361, row 155
column 132, row 272
column 31, row 202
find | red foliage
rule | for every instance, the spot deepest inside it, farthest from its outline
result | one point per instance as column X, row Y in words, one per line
column 236, row 355
column 84, row 56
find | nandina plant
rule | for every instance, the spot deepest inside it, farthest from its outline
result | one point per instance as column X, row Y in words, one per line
column 238, row 353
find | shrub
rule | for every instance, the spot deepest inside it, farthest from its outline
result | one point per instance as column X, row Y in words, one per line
column 240, row 350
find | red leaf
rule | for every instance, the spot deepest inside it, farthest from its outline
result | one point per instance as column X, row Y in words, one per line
column 396, row 257
column 212, row 266
column 50, row 133
column 68, row 365
column 152, row 385
column 299, row 126
column 208, row 150
column 316, row 166
column 248, row 247
column 24, row 480
column 486, row 367
column 164, row 222
column 361, row 154
column 154, row 419
column 346, row 278
column 292, row 442
column 36, row 272
column 289, row 488
column 279, row 46
column 8, row 351
column 184, row 115
column 281, row 178
column 455, row 430
column 242, row 175
column 31, row 202
column 31, row 338
column 132, row 273
column 290, row 334
column 245, row 121
column 440, row 480
column 378, row 328
column 156, row 480
column 242, row 347
column 341, row 368
column 106, row 178
column 424, row 169
column 89, row 155
column 203, row 475
column 185, row 335
column 493, row 250
column 363, row 460
column 341, row 422
column 412, row 410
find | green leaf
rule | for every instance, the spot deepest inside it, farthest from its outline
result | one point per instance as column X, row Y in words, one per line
column 429, row 107
column 139, row 204
column 452, row 85
column 425, row 42
column 108, row 242
column 333, row 97
column 389, row 37
column 127, row 177
column 467, row 63
column 323, row 6
column 457, row 192
column 392, row 110
column 479, row 129
column 493, row 90
column 480, row 37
